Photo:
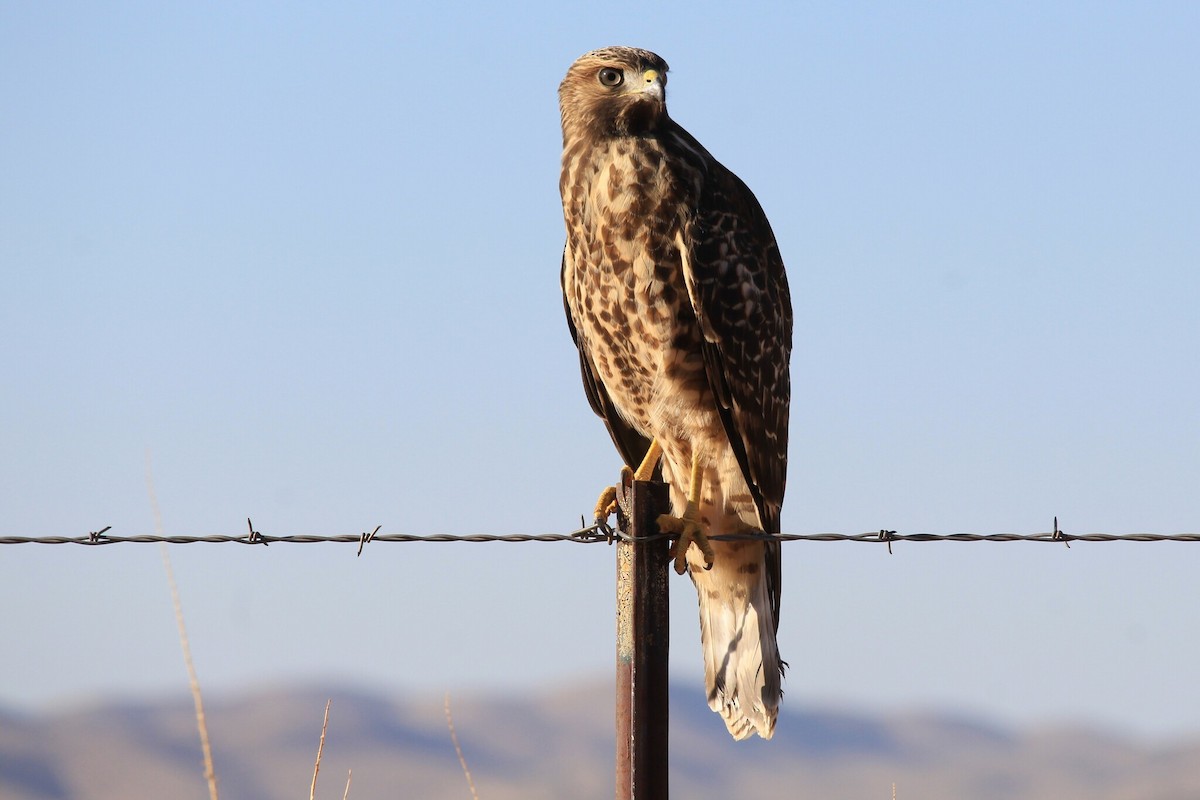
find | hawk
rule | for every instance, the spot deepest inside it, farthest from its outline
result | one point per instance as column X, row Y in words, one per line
column 677, row 300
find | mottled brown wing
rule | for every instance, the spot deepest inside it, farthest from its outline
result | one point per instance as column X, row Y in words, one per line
column 630, row 444
column 740, row 295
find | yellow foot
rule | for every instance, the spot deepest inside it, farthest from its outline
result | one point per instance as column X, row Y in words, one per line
column 606, row 506
column 690, row 532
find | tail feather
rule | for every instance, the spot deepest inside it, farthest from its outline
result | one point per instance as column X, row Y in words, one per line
column 742, row 669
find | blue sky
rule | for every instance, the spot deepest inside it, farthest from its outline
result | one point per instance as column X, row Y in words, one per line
column 307, row 258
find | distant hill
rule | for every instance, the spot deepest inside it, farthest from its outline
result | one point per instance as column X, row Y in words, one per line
column 559, row 744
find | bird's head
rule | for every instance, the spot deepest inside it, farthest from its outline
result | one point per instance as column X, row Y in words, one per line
column 617, row 91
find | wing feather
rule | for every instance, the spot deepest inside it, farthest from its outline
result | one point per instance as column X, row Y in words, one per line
column 739, row 292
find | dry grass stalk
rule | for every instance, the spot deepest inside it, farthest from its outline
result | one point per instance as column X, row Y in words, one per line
column 349, row 775
column 312, row 792
column 454, row 738
column 210, row 774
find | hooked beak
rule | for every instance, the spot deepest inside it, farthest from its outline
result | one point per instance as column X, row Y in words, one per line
column 654, row 84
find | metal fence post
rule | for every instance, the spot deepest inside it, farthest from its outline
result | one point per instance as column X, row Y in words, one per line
column 643, row 634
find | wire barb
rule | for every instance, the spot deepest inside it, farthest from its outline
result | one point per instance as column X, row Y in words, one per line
column 1059, row 536
column 887, row 536
column 94, row 537
column 366, row 537
column 255, row 536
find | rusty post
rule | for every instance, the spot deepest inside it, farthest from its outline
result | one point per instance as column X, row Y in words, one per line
column 643, row 633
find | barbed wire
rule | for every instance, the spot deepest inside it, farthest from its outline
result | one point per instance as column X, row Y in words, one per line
column 598, row 533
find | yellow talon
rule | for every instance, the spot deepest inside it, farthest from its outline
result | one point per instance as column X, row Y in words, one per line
column 689, row 527
column 690, row 532
column 607, row 504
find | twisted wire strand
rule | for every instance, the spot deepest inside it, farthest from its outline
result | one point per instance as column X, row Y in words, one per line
column 595, row 534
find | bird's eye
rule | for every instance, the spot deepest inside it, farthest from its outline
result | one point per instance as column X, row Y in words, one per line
column 610, row 77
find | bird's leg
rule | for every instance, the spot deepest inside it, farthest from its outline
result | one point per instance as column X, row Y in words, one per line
column 645, row 470
column 607, row 503
column 688, row 526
